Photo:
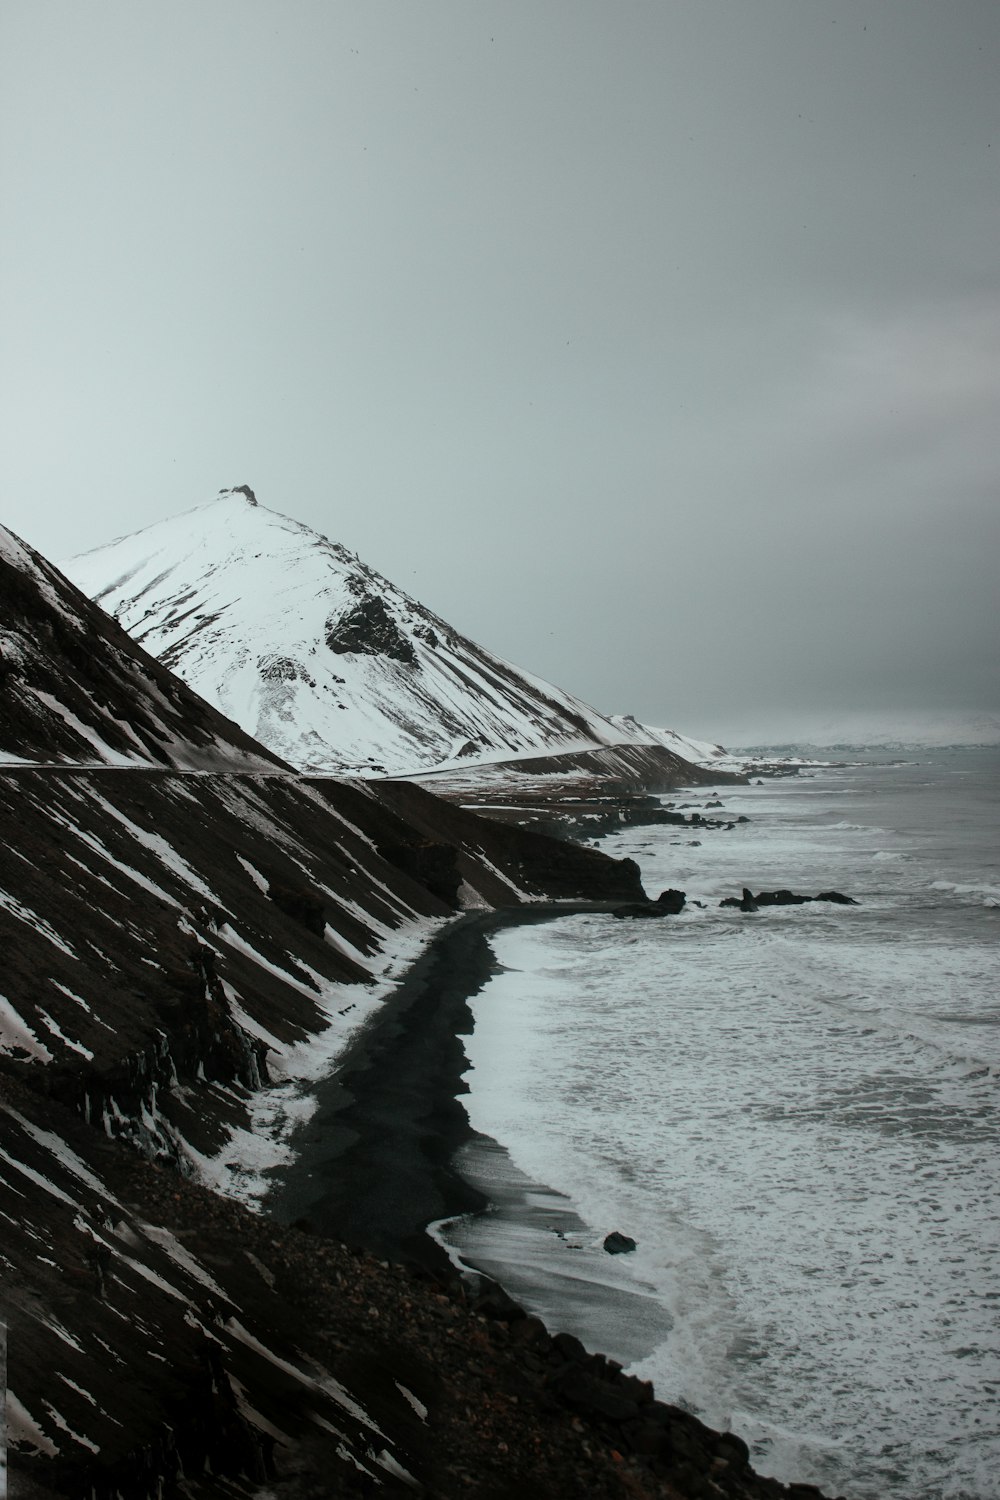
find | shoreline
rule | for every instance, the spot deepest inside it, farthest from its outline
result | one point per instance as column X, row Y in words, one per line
column 533, row 1243
column 390, row 1158
column 375, row 1164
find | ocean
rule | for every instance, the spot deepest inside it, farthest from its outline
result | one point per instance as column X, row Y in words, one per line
column 794, row 1113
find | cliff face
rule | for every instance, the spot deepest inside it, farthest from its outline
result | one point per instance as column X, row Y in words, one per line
column 162, row 929
column 193, row 937
column 184, row 956
column 185, row 952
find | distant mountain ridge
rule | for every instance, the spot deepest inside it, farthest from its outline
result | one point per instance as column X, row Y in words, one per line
column 931, row 729
column 322, row 659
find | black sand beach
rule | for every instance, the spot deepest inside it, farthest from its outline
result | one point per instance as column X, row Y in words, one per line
column 375, row 1163
column 390, row 1154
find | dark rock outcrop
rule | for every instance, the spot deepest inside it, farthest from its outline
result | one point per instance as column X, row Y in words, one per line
column 780, row 898
column 300, row 902
column 746, row 902
column 749, row 902
column 537, row 863
column 284, row 669
column 617, row 1243
column 671, row 901
column 434, row 865
column 369, row 630
column 667, row 904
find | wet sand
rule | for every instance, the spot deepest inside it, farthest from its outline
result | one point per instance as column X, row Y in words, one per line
column 534, row 1243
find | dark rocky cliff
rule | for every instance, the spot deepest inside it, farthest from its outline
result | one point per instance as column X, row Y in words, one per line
column 169, row 940
column 184, row 954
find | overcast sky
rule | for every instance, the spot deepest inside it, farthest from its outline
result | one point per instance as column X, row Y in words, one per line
column 654, row 345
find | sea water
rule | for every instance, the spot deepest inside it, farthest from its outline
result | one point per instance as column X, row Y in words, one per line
column 795, row 1114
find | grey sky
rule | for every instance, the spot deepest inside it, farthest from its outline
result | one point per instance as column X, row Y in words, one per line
column 655, row 345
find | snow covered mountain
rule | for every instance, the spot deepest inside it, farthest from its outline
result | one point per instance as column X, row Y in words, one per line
column 322, row 659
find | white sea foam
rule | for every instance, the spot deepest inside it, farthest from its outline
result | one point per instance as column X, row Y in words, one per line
column 987, row 894
column 795, row 1113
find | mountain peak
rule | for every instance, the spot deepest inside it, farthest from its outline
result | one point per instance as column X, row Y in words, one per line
column 318, row 656
column 240, row 489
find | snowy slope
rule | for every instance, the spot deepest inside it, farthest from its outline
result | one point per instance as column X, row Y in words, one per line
column 698, row 752
column 319, row 657
column 75, row 688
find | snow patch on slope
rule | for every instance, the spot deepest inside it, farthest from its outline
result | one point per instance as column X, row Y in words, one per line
column 242, row 1168
column 16, row 1036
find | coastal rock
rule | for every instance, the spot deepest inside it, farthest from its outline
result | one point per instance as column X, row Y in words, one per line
column 529, row 1332
column 746, row 902
column 749, row 902
column 671, row 901
column 498, row 1304
column 667, row 904
column 617, row 1243
column 569, row 1347
column 585, row 1393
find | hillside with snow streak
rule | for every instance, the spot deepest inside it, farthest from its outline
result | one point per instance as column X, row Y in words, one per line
column 76, row 689
column 319, row 657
